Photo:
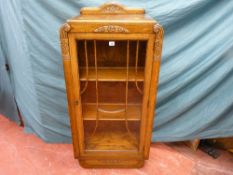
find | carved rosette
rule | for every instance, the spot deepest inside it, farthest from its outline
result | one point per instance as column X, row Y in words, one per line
column 158, row 41
column 65, row 28
column 111, row 29
column 112, row 8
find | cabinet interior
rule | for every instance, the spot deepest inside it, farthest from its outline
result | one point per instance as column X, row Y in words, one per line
column 111, row 75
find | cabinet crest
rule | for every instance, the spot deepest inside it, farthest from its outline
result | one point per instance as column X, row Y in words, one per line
column 111, row 8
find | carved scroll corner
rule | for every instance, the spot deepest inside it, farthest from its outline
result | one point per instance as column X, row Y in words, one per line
column 158, row 29
column 65, row 28
column 111, row 29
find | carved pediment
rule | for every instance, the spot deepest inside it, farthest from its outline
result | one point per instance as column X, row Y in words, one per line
column 111, row 8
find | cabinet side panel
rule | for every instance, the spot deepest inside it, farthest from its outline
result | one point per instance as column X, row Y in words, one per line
column 147, row 75
column 68, row 80
column 153, row 86
column 76, row 94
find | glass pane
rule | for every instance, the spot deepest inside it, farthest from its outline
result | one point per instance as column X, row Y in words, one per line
column 112, row 76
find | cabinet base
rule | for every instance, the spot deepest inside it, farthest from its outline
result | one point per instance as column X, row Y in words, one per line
column 111, row 163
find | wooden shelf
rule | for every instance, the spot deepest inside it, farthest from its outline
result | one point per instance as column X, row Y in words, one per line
column 112, row 140
column 133, row 112
column 111, row 135
column 111, row 74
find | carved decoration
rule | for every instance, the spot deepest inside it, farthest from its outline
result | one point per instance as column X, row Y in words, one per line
column 112, row 8
column 111, row 29
column 64, row 41
column 158, row 41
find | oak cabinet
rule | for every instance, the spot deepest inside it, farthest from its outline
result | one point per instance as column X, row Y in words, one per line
column 111, row 56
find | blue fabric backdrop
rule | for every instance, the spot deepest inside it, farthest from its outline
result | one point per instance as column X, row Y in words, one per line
column 195, row 97
column 7, row 102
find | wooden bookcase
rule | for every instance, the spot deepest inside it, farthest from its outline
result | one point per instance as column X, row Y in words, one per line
column 111, row 56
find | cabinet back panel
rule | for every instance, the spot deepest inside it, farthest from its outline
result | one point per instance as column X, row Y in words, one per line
column 111, row 56
column 111, row 92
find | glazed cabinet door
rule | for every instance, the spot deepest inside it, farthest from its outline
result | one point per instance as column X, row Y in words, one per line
column 112, row 74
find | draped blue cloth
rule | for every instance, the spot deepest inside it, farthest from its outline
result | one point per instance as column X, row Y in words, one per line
column 7, row 102
column 195, row 96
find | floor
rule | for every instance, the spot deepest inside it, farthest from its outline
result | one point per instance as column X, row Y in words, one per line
column 26, row 154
